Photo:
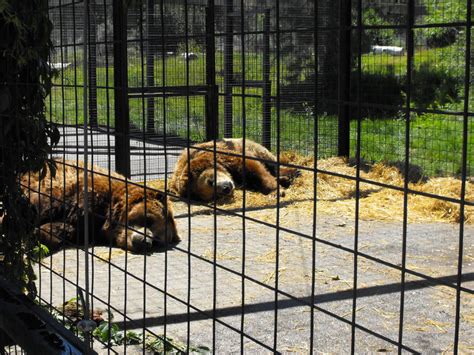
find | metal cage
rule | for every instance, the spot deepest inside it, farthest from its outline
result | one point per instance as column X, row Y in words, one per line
column 370, row 249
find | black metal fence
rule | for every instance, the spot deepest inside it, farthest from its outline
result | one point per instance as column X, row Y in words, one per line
column 342, row 260
column 154, row 64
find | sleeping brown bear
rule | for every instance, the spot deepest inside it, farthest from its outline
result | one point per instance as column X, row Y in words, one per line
column 59, row 201
column 203, row 180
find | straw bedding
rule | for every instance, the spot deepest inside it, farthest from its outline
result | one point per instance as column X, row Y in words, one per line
column 337, row 195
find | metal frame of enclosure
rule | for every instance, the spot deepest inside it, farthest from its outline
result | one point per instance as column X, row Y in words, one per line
column 140, row 81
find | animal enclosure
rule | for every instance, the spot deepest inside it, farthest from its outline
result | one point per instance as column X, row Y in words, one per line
column 369, row 247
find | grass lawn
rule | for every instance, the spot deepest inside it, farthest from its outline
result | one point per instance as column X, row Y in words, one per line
column 435, row 140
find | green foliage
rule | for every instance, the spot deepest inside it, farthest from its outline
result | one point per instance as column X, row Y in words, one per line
column 25, row 134
column 161, row 345
column 435, row 86
column 435, row 83
column 111, row 334
column 378, row 89
column 435, row 142
column 39, row 252
column 381, row 37
column 193, row 47
column 442, row 13
column 302, row 43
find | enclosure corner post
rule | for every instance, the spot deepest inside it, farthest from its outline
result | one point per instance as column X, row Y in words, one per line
column 150, row 65
column 122, row 118
column 267, row 84
column 92, row 65
column 212, row 97
column 228, row 68
column 344, row 78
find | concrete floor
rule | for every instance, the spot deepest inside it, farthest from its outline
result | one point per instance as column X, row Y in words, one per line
column 102, row 152
column 154, row 290
column 429, row 311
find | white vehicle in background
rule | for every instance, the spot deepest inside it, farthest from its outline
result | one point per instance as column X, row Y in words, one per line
column 392, row 50
column 189, row 56
column 59, row 66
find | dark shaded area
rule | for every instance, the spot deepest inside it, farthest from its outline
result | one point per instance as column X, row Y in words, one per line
column 295, row 302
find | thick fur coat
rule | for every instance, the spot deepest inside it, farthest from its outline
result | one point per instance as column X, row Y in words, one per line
column 202, row 177
column 120, row 214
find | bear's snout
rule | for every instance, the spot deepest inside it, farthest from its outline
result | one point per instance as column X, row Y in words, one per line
column 142, row 240
column 225, row 188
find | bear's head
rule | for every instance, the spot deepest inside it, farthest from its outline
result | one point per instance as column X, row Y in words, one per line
column 205, row 182
column 149, row 216
column 200, row 177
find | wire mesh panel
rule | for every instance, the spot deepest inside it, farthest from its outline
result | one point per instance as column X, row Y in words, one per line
column 260, row 176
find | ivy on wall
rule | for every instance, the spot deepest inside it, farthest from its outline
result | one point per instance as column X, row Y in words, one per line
column 26, row 137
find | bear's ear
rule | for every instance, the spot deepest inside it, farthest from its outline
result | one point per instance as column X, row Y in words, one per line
column 113, row 217
column 180, row 181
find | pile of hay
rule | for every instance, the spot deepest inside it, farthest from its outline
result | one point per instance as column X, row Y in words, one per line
column 337, row 195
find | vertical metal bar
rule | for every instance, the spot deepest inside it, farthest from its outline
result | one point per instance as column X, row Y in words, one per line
column 357, row 190
column 150, row 64
column 210, row 33
column 244, row 192
column 144, row 134
column 85, row 158
column 410, row 53
column 315, row 178
column 92, row 122
column 76, row 121
column 228, row 68
column 188, row 192
column 344, row 78
column 122, row 123
column 92, row 58
column 467, row 80
column 278, row 137
column 63, row 115
column 267, row 84
column 165, row 151
column 109, row 165
column 122, row 118
column 212, row 98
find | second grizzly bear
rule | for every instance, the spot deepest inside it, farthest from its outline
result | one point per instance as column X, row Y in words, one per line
column 202, row 178
column 121, row 214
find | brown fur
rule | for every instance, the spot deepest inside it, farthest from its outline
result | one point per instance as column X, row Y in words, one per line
column 60, row 204
column 199, row 182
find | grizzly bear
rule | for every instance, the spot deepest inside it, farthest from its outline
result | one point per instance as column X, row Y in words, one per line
column 201, row 178
column 113, row 205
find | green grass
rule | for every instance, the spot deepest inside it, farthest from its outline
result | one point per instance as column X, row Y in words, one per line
column 435, row 143
column 451, row 57
column 435, row 140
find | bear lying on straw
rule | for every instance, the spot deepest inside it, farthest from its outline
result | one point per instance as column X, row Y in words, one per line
column 202, row 178
column 59, row 201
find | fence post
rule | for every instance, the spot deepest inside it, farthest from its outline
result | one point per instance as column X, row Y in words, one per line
column 122, row 118
column 267, row 84
column 150, row 65
column 344, row 78
column 92, row 62
column 212, row 97
column 228, row 68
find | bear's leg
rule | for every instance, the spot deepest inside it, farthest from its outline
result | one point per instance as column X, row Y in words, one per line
column 256, row 175
column 288, row 175
column 56, row 234
column 268, row 179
